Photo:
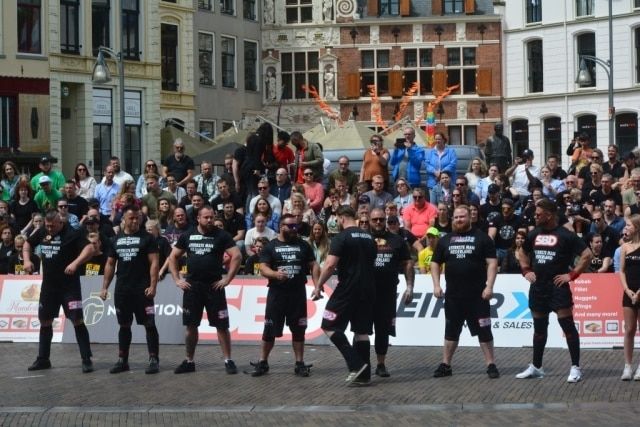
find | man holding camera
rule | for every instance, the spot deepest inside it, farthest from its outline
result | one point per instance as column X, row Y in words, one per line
column 407, row 158
column 524, row 173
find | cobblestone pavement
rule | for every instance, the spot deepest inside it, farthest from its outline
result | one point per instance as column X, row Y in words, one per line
column 64, row 396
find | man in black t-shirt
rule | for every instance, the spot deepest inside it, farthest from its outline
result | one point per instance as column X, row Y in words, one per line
column 470, row 257
column 204, row 284
column 63, row 251
column 393, row 256
column 136, row 254
column 285, row 261
column 503, row 228
column 353, row 253
column 548, row 254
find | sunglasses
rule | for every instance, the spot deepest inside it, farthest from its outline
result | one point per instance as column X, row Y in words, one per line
column 459, row 184
column 81, row 169
column 343, row 164
column 418, row 197
column 262, row 188
column 456, row 195
column 392, row 223
column 150, row 165
column 308, row 173
column 292, row 226
column 381, row 219
column 595, row 158
column 63, row 206
column 363, row 222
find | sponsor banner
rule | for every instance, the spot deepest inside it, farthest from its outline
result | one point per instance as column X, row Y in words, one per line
column 19, row 296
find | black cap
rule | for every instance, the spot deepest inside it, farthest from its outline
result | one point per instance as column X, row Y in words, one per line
column 45, row 159
column 284, row 136
column 493, row 189
column 527, row 154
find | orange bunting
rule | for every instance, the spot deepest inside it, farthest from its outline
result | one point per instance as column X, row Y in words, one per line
column 376, row 110
column 404, row 102
column 330, row 112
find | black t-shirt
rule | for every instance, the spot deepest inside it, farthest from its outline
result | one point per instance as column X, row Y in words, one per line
column 610, row 239
column 392, row 250
column 178, row 168
column 5, row 254
column 252, row 265
column 292, row 257
column 131, row 251
column 173, row 232
column 465, row 255
column 95, row 266
column 78, row 206
column 559, row 173
column 16, row 264
column 506, row 230
column 232, row 225
column 490, row 212
column 357, row 252
column 617, row 171
column 218, row 202
column 599, row 197
column 552, row 252
column 57, row 252
column 23, row 213
column 205, row 253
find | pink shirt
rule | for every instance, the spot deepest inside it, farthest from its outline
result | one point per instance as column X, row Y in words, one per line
column 419, row 220
column 314, row 192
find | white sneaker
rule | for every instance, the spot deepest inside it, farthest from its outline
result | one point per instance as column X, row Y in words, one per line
column 636, row 376
column 575, row 374
column 531, row 372
column 627, row 372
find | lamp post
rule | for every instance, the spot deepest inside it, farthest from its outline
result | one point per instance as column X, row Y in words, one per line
column 584, row 76
column 102, row 75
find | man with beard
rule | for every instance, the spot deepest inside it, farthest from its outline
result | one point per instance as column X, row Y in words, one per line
column 393, row 256
column 548, row 253
column 178, row 164
column 204, row 284
column 285, row 261
column 470, row 257
column 135, row 253
column 353, row 252
column 502, row 229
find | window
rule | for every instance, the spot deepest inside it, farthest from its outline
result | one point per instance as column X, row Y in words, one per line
column 205, row 58
column 29, row 26
column 169, row 56
column 534, row 63
column 249, row 10
column 299, row 68
column 132, row 149
column 637, row 50
column 374, row 70
column 627, row 132
column 250, row 65
column 552, row 136
column 418, row 65
column 584, row 7
column 228, row 47
column 227, row 7
column 100, row 22
column 636, row 3
column 226, row 126
column 205, row 5
column 534, row 11
column 69, row 24
column 389, row 8
column 461, row 69
column 520, row 136
column 457, row 133
column 586, row 45
column 131, row 30
column 298, row 11
column 101, row 147
column 8, row 122
column 587, row 124
column 453, row 6
column 208, row 129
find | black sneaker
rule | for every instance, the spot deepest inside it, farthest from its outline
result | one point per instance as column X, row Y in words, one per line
column 40, row 364
column 120, row 366
column 185, row 367
column 443, row 370
column 87, row 366
column 154, row 366
column 302, row 370
column 259, row 368
column 492, row 371
column 381, row 371
column 230, row 367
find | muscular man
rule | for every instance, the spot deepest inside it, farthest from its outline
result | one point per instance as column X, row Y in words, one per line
column 470, row 256
column 549, row 251
column 353, row 252
column 285, row 261
column 497, row 149
column 204, row 284
column 135, row 252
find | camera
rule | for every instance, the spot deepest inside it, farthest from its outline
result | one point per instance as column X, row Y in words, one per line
column 400, row 142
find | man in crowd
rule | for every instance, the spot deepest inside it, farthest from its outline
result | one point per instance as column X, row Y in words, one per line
column 282, row 189
column 206, row 182
column 119, row 176
column 47, row 197
column 77, row 205
column 106, row 191
column 308, row 156
column 225, row 195
column 282, row 153
column 345, row 174
column 419, row 215
column 378, row 198
column 263, row 193
column 178, row 164
column 503, row 228
column 524, row 173
column 154, row 192
column 407, row 159
column 56, row 177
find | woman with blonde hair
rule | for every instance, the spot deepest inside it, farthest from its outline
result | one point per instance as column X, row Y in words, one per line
column 319, row 241
column 299, row 201
column 477, row 171
column 630, row 280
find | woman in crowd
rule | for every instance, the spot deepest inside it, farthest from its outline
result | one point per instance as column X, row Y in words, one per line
column 440, row 158
column 482, row 187
column 363, row 221
column 404, row 197
column 9, row 180
column 630, row 280
column 164, row 247
column 475, row 173
column 319, row 241
column 599, row 263
column 510, row 263
column 442, row 191
column 22, row 207
column 299, row 201
column 328, row 215
column 32, row 227
column 443, row 220
column 287, row 206
column 313, row 191
column 85, row 183
column 263, row 207
column 457, row 199
column 141, row 185
column 165, row 213
column 506, row 192
column 126, row 197
column 375, row 162
column 550, row 186
column 476, row 219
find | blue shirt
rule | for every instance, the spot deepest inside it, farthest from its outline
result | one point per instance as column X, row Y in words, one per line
column 434, row 162
column 105, row 195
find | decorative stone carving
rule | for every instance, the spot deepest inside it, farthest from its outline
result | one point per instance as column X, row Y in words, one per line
column 329, row 82
column 346, row 8
column 269, row 14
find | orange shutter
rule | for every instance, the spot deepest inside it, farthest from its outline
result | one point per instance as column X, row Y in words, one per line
column 483, row 82
column 469, row 7
column 395, row 84
column 405, row 7
column 372, row 7
column 439, row 82
column 353, row 85
column 436, row 7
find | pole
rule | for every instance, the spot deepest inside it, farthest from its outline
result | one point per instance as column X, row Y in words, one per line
column 612, row 109
column 122, row 112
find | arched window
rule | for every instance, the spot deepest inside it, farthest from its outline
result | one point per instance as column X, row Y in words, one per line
column 519, row 136
column 552, row 133
column 587, row 124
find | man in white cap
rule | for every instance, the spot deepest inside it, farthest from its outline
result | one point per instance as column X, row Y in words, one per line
column 56, row 177
column 47, row 197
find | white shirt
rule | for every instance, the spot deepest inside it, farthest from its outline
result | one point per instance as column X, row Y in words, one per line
column 521, row 180
column 276, row 206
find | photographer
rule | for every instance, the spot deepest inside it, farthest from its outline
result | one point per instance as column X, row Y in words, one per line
column 375, row 162
column 407, row 158
column 524, row 173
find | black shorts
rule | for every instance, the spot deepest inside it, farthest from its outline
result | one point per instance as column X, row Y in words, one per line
column 132, row 302
column 475, row 311
column 384, row 310
column 285, row 305
column 201, row 296
column 51, row 298
column 547, row 297
column 342, row 309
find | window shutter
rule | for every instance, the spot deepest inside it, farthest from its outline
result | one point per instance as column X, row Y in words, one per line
column 372, row 7
column 353, row 85
column 439, row 82
column 483, row 82
column 469, row 7
column 436, row 7
column 405, row 7
column 395, row 84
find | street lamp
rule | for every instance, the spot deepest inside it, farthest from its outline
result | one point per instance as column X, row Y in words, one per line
column 102, row 75
column 584, row 76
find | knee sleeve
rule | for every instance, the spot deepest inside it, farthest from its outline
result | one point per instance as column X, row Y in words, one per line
column 485, row 334
column 568, row 327
column 297, row 336
column 540, row 326
column 453, row 329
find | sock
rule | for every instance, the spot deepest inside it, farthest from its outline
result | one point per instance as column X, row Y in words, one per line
column 382, row 343
column 44, row 344
column 363, row 348
column 82, row 336
column 540, row 326
column 153, row 341
column 354, row 362
column 573, row 338
column 124, row 342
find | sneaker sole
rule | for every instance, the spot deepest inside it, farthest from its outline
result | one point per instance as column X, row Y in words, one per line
column 351, row 379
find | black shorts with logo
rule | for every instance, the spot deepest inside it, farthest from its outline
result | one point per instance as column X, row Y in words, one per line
column 133, row 302
column 384, row 310
column 202, row 296
column 285, row 305
column 342, row 309
column 547, row 297
column 68, row 296
column 475, row 311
